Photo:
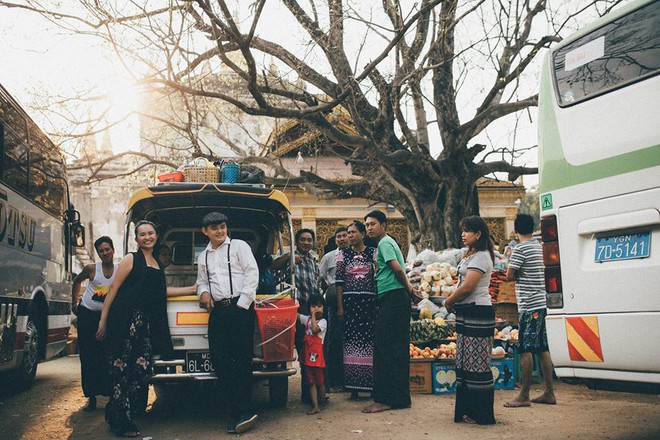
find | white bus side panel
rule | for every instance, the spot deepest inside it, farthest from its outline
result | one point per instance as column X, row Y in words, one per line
column 586, row 129
column 623, row 295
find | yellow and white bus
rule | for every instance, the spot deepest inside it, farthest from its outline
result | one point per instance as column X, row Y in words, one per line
column 37, row 233
column 599, row 146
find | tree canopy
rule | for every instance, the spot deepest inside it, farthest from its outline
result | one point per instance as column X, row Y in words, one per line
column 422, row 82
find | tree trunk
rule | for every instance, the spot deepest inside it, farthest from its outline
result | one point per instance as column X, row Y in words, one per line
column 443, row 207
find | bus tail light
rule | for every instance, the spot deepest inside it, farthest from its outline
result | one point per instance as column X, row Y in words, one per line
column 551, row 253
column 549, row 229
column 552, row 261
column 553, row 279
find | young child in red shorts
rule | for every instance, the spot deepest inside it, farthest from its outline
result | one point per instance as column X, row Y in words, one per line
column 315, row 328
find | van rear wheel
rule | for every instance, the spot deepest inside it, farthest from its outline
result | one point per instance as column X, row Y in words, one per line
column 278, row 391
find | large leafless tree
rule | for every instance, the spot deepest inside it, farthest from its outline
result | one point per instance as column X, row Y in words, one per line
column 409, row 74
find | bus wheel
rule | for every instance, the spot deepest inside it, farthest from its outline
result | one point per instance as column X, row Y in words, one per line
column 278, row 391
column 27, row 370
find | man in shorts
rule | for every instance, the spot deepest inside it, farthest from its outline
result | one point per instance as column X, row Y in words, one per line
column 526, row 267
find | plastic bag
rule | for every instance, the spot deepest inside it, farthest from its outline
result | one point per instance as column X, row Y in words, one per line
column 427, row 256
column 442, row 312
column 451, row 256
column 426, row 303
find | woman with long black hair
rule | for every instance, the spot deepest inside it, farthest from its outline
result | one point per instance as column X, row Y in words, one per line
column 134, row 325
column 475, row 323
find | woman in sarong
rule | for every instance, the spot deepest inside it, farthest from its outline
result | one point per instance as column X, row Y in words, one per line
column 357, row 304
column 475, row 323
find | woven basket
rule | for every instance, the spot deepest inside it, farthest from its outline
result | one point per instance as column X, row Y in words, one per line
column 201, row 174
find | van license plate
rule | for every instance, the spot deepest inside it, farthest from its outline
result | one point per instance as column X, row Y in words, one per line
column 199, row 362
column 623, row 247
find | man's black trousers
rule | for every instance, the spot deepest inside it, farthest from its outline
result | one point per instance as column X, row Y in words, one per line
column 231, row 339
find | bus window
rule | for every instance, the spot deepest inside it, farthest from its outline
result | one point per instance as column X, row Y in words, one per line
column 621, row 52
column 15, row 162
column 47, row 187
column 16, row 121
column 2, row 143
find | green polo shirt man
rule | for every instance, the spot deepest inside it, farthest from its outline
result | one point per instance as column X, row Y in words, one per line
column 386, row 278
column 391, row 330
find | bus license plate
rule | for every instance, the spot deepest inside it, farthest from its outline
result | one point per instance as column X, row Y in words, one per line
column 199, row 362
column 623, row 247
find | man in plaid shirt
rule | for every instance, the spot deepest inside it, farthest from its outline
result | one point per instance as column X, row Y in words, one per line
column 307, row 282
column 307, row 269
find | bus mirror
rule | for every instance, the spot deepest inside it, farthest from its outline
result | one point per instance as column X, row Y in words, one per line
column 73, row 216
column 77, row 232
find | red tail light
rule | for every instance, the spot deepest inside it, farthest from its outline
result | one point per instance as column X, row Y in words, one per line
column 549, row 229
column 553, row 279
column 552, row 261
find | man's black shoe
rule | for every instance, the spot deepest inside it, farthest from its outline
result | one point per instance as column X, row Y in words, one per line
column 246, row 422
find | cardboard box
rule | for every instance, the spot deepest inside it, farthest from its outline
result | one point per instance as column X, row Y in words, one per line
column 508, row 312
column 503, row 374
column 444, row 378
column 507, row 292
column 421, row 381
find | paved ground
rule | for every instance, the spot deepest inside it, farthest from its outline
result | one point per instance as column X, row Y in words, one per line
column 51, row 409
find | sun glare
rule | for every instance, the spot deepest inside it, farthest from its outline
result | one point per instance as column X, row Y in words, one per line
column 122, row 101
column 121, row 96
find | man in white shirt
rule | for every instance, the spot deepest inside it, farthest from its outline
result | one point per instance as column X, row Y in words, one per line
column 334, row 348
column 227, row 279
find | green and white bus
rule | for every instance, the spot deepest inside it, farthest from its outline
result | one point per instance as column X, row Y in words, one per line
column 599, row 156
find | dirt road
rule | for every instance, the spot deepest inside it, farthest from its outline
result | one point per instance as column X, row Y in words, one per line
column 52, row 410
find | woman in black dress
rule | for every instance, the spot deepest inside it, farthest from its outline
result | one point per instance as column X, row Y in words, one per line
column 134, row 324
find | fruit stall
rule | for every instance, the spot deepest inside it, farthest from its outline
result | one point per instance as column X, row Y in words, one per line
column 433, row 338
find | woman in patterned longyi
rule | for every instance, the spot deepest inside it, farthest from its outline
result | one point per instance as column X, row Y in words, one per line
column 475, row 323
column 357, row 303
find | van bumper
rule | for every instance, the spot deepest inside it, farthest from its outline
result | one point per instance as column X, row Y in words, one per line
column 174, row 371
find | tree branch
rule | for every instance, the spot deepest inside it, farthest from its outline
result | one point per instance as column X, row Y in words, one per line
column 485, row 168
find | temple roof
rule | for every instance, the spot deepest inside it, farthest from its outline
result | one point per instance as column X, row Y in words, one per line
column 294, row 135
